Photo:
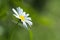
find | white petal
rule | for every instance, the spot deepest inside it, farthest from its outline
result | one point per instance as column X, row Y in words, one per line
column 24, row 13
column 28, row 18
column 14, row 11
column 27, row 14
column 16, row 16
column 19, row 10
column 24, row 24
column 29, row 22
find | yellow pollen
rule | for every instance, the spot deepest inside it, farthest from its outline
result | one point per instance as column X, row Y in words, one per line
column 22, row 18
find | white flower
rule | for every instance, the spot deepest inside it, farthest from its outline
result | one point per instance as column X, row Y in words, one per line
column 22, row 16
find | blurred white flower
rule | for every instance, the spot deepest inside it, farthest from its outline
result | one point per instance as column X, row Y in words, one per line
column 22, row 16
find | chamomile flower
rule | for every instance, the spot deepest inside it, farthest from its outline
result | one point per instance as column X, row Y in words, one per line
column 22, row 16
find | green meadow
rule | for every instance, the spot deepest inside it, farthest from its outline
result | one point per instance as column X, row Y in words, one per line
column 45, row 15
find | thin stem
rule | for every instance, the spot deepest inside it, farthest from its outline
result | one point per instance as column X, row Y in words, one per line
column 11, row 37
column 12, row 34
column 30, row 34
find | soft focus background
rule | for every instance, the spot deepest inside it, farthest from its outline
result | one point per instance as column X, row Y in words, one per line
column 45, row 16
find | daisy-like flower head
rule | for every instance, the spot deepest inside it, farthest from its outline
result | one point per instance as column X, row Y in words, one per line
column 22, row 16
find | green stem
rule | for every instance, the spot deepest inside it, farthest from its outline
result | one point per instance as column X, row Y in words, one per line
column 30, row 34
column 12, row 33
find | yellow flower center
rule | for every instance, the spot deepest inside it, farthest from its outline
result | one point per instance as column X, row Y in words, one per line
column 22, row 18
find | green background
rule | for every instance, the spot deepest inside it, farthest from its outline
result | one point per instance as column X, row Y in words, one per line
column 45, row 16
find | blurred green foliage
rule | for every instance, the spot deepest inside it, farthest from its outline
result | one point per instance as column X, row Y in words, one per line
column 45, row 16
